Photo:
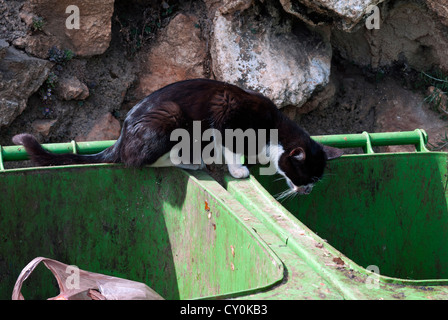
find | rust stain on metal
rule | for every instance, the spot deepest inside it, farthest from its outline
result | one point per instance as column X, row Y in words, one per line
column 338, row 261
column 207, row 209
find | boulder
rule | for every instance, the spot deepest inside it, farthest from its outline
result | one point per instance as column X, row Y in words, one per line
column 43, row 126
column 91, row 38
column 178, row 54
column 72, row 88
column 409, row 33
column 344, row 14
column 20, row 76
column 11, row 26
column 257, row 50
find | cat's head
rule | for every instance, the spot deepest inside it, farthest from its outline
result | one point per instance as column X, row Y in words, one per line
column 303, row 166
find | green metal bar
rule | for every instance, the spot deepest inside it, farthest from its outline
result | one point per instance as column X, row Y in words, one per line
column 368, row 147
column 418, row 138
column 74, row 148
column 363, row 140
column 18, row 153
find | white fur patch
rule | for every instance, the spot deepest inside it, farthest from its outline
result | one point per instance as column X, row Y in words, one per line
column 163, row 161
column 236, row 168
column 274, row 152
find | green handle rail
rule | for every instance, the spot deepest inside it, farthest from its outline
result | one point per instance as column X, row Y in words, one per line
column 364, row 140
column 18, row 153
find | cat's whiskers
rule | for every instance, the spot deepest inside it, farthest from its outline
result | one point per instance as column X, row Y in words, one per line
column 279, row 178
column 285, row 195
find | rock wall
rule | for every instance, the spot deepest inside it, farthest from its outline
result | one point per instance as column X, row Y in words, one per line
column 341, row 14
column 92, row 37
column 21, row 75
column 410, row 32
column 257, row 50
column 178, row 54
column 317, row 60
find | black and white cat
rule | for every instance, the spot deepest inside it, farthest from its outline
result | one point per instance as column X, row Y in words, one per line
column 145, row 136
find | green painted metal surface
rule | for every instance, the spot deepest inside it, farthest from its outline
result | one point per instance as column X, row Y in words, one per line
column 386, row 212
column 179, row 234
column 365, row 140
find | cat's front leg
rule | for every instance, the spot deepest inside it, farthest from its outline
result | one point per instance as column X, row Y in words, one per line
column 238, row 171
column 236, row 168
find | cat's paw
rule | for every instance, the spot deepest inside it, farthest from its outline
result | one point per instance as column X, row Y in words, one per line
column 239, row 172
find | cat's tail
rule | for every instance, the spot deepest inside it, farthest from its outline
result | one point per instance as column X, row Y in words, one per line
column 42, row 157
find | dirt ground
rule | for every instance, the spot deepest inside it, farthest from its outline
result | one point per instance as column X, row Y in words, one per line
column 373, row 102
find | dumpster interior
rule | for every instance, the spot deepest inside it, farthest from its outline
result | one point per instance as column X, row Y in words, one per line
column 188, row 237
column 158, row 226
column 384, row 210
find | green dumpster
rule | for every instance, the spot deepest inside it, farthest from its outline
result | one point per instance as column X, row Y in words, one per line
column 182, row 235
column 376, row 225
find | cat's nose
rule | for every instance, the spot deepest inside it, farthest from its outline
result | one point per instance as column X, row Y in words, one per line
column 308, row 189
column 303, row 189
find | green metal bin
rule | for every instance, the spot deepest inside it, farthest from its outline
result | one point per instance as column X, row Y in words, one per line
column 376, row 225
column 180, row 234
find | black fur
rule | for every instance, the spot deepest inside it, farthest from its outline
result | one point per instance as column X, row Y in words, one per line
column 146, row 131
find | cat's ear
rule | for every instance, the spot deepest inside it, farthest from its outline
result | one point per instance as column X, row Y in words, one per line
column 332, row 153
column 298, row 153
